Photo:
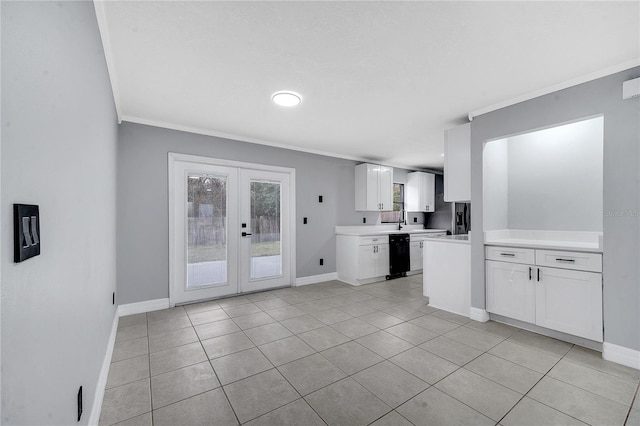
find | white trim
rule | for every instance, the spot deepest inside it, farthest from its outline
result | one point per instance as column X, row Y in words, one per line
column 249, row 139
column 313, row 279
column 140, row 307
column 94, row 417
column 556, row 87
column 621, row 355
column 478, row 314
column 101, row 16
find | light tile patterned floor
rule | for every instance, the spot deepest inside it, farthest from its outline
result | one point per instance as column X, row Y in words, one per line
column 342, row 355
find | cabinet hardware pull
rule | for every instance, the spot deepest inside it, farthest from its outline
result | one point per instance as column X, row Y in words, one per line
column 538, row 274
column 529, row 273
column 559, row 259
column 508, row 254
column 245, row 234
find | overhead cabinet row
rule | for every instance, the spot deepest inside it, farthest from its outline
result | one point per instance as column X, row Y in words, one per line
column 374, row 189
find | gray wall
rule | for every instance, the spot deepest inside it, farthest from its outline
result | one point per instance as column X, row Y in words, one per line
column 143, row 233
column 621, row 227
column 58, row 151
column 496, row 184
column 441, row 218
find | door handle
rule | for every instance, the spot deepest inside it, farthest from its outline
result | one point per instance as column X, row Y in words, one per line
column 245, row 234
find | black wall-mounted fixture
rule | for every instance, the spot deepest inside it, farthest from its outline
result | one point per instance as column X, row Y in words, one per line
column 304, row 220
column 319, row 198
column 26, row 232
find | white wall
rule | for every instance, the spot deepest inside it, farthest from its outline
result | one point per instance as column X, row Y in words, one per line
column 555, row 178
column 550, row 179
column 58, row 151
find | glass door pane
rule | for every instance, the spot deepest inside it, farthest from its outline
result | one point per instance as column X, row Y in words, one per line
column 266, row 248
column 206, row 230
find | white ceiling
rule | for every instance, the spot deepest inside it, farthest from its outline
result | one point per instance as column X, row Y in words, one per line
column 380, row 80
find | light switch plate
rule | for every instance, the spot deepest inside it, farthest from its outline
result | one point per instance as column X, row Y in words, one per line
column 26, row 232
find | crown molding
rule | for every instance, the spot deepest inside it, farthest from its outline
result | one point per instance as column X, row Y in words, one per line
column 556, row 87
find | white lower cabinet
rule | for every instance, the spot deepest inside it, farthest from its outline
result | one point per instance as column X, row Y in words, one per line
column 562, row 299
column 362, row 259
column 416, row 249
column 570, row 301
column 511, row 291
column 373, row 261
column 415, row 255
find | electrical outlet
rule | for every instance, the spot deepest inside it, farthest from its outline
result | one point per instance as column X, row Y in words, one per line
column 113, row 298
column 319, row 198
column 304, row 220
column 415, row 219
column 79, row 403
column 321, row 262
column 364, row 220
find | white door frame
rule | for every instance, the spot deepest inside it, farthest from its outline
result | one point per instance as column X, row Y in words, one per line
column 173, row 253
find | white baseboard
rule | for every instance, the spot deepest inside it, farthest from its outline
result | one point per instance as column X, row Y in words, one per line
column 140, row 307
column 478, row 314
column 313, row 279
column 621, row 355
column 94, row 417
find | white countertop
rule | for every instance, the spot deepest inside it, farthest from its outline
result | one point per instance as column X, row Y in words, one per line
column 543, row 239
column 457, row 239
column 383, row 230
column 546, row 244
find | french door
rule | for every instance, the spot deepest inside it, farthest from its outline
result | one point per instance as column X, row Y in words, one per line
column 230, row 228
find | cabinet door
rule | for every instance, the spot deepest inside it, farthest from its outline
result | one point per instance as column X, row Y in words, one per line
column 429, row 192
column 570, row 301
column 415, row 255
column 366, row 262
column 457, row 164
column 510, row 291
column 420, row 192
column 385, row 188
column 381, row 263
column 373, row 176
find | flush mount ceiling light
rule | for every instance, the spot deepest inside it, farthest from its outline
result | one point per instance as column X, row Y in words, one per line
column 286, row 98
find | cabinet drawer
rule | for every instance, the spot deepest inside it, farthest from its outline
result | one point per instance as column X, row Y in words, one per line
column 369, row 241
column 510, row 254
column 570, row 260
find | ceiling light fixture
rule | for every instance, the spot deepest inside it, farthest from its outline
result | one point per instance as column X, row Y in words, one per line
column 286, row 98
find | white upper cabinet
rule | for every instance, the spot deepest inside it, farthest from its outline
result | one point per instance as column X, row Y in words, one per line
column 374, row 187
column 420, row 194
column 457, row 163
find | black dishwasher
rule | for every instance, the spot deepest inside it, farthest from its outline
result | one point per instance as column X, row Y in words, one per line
column 399, row 261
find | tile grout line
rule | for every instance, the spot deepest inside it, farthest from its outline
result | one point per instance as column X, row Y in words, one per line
column 214, row 371
column 149, row 354
column 635, row 396
column 530, row 389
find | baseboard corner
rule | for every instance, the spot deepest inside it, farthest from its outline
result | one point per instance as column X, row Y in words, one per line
column 478, row 314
